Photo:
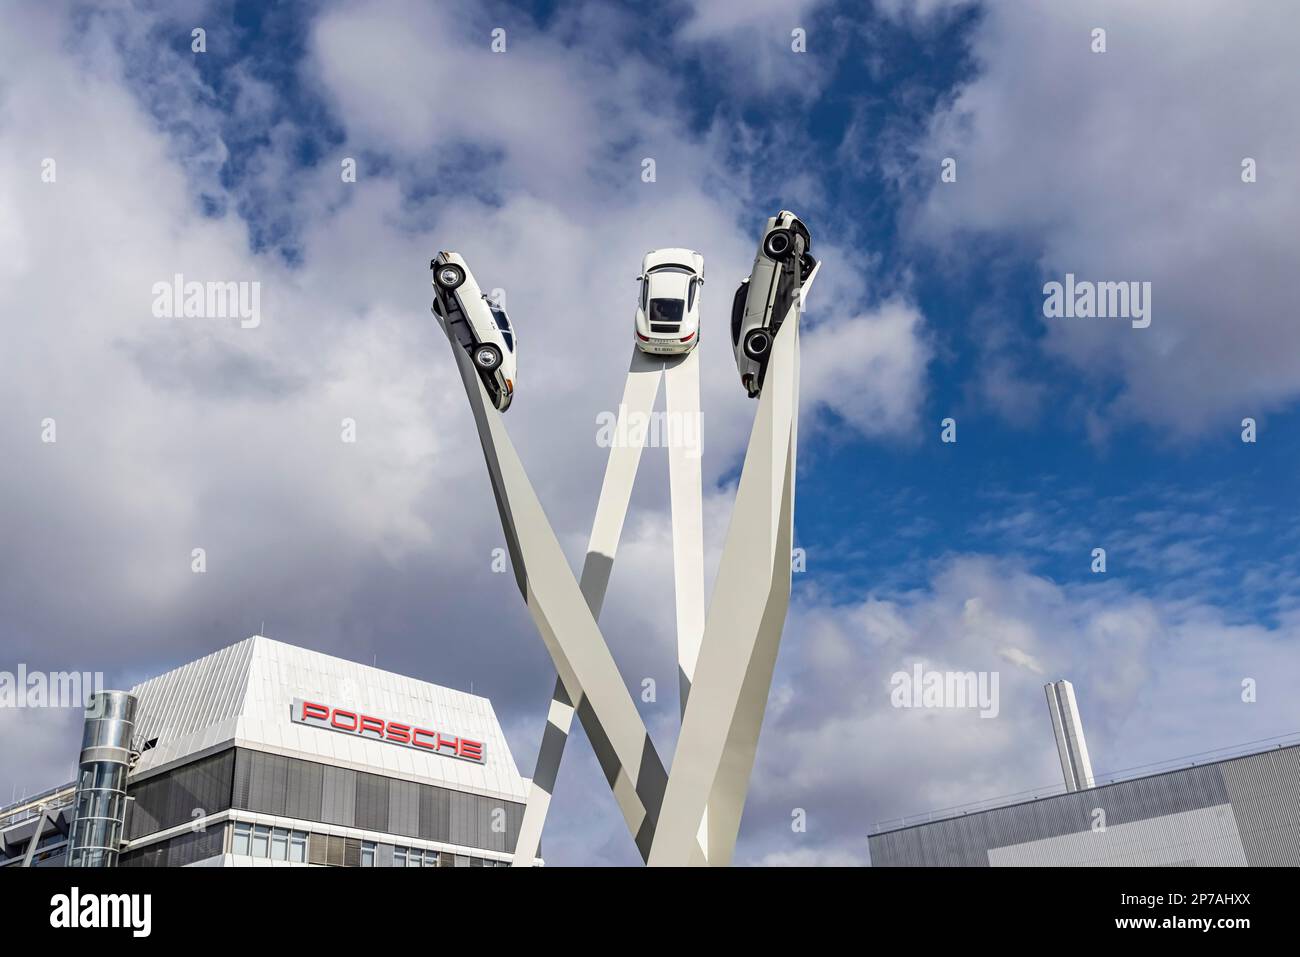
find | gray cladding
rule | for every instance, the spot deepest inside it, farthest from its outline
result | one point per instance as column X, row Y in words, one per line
column 372, row 802
column 169, row 799
column 404, row 808
column 1263, row 790
column 339, row 789
column 306, row 791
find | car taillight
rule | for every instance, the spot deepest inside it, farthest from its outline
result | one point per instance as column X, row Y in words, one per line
column 688, row 338
column 642, row 338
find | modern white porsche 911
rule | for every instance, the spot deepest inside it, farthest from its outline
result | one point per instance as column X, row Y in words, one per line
column 763, row 300
column 480, row 325
column 668, row 304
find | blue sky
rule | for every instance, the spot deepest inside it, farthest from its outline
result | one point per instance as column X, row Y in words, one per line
column 1072, row 434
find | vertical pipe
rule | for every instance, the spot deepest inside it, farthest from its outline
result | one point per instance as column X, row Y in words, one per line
column 1067, row 727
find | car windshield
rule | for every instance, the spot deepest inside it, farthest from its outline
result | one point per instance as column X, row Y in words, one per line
column 666, row 310
column 503, row 323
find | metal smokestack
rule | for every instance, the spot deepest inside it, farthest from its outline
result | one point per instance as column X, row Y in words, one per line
column 100, row 802
column 1068, row 728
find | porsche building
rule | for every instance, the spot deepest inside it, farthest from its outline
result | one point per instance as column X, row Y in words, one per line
column 265, row 754
column 1242, row 811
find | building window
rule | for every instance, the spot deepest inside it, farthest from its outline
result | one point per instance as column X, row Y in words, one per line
column 280, row 844
column 243, row 837
column 261, row 840
column 415, row 857
column 367, row 853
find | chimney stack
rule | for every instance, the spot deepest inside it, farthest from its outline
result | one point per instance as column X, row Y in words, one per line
column 1073, row 749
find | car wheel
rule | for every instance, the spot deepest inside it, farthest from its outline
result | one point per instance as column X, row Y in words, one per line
column 449, row 276
column 758, row 344
column 779, row 244
column 487, row 357
column 806, row 265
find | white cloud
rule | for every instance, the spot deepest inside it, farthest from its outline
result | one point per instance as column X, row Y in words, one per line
column 752, row 46
column 1126, row 165
column 718, row 18
column 1156, row 680
column 869, row 369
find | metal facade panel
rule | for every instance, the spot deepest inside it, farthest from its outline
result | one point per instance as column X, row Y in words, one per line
column 197, row 846
column 368, row 801
column 965, row 841
column 173, row 797
column 1265, row 791
column 259, row 781
column 339, row 796
column 428, row 818
column 441, row 815
column 279, row 784
column 404, row 808
column 193, row 706
column 317, row 849
column 242, row 693
column 372, row 803
column 1206, row 837
column 279, row 672
column 463, row 819
column 241, row 785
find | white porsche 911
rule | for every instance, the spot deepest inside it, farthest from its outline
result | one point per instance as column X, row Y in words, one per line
column 763, row 300
column 668, row 306
column 480, row 325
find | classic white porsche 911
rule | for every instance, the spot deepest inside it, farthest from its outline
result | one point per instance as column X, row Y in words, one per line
column 480, row 325
column 763, row 300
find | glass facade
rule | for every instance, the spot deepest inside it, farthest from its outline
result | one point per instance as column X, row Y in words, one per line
column 99, row 806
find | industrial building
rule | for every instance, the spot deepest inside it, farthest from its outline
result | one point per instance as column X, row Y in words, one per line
column 266, row 754
column 1241, row 811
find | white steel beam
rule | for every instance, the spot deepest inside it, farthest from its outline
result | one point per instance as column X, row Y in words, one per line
column 733, row 674
column 560, row 613
column 685, row 485
column 639, row 393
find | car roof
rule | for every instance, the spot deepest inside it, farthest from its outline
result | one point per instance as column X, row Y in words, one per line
column 668, row 285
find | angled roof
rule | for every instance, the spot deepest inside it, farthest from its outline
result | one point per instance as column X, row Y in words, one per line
column 243, row 694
